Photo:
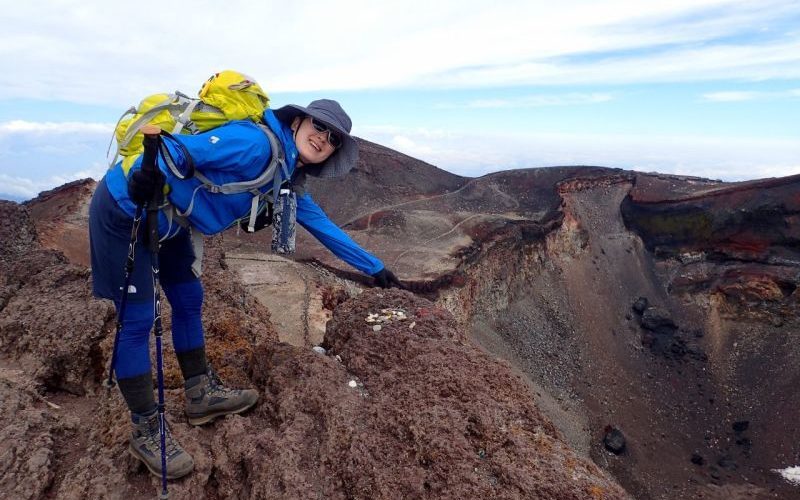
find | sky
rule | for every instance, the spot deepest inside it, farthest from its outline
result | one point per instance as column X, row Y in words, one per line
column 708, row 88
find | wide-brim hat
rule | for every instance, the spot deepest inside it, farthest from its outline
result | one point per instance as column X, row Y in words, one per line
column 331, row 114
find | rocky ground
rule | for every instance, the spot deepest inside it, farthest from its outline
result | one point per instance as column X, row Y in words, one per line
column 544, row 267
column 410, row 409
column 569, row 324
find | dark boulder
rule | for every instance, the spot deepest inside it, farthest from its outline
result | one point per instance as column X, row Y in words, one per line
column 727, row 463
column 745, row 443
column 614, row 440
column 657, row 319
column 640, row 305
column 741, row 425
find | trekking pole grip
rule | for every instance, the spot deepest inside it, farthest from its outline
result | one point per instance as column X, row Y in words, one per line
column 151, row 140
column 152, row 137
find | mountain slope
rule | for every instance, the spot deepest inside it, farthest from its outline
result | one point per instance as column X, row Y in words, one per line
column 540, row 267
column 377, row 417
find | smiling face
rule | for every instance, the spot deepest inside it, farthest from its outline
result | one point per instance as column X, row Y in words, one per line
column 312, row 146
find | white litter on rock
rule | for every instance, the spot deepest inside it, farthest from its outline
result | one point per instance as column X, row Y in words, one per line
column 338, row 358
column 318, row 349
column 353, row 384
column 412, row 325
column 386, row 315
column 791, row 474
column 376, row 328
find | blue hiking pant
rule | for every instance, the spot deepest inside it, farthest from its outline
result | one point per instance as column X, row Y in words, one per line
column 109, row 235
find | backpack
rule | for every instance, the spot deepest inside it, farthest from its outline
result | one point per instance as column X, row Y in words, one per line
column 225, row 96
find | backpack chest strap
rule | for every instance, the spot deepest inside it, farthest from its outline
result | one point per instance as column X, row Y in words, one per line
column 276, row 173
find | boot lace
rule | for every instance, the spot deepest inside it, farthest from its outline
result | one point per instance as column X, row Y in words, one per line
column 154, row 439
column 216, row 388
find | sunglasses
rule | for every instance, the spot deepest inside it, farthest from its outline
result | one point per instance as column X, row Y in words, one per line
column 333, row 138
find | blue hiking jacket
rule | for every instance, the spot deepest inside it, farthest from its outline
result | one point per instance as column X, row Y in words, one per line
column 234, row 152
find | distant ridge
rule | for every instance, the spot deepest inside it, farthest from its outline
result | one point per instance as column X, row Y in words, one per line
column 13, row 197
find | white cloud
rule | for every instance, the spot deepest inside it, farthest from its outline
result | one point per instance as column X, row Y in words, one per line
column 731, row 96
column 409, row 147
column 26, row 188
column 719, row 62
column 390, row 130
column 80, row 50
column 727, row 158
column 27, row 127
column 744, row 95
column 37, row 156
column 533, row 101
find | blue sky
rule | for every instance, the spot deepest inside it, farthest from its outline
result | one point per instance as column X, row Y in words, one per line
column 701, row 87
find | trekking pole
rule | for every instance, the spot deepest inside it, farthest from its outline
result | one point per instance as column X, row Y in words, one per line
column 137, row 219
column 151, row 145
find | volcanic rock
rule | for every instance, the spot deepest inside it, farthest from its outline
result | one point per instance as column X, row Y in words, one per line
column 740, row 425
column 727, row 463
column 640, row 305
column 614, row 440
column 61, row 216
column 50, row 324
column 17, row 233
column 28, row 433
column 409, row 428
column 657, row 319
column 535, row 266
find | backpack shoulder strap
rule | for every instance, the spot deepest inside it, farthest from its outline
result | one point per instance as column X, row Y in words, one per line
column 275, row 169
column 276, row 172
column 177, row 104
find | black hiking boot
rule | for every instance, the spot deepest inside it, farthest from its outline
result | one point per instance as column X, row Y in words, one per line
column 207, row 398
column 145, row 445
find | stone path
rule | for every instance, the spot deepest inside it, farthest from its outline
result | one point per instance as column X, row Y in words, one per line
column 288, row 290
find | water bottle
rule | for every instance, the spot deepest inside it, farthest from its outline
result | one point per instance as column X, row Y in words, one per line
column 283, row 222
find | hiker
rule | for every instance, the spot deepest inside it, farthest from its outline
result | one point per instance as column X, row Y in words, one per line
column 315, row 140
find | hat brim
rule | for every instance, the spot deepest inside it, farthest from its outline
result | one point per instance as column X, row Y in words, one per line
column 342, row 160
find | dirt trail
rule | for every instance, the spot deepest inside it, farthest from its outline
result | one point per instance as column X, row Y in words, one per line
column 280, row 286
column 394, row 206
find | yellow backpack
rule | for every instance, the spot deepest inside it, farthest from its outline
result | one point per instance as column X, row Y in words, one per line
column 226, row 96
